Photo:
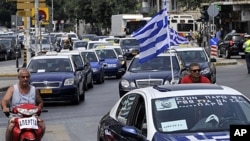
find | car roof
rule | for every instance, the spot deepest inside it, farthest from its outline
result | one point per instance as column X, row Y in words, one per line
column 186, row 90
column 162, row 54
column 48, row 57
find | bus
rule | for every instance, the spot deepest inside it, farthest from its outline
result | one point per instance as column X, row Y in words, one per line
column 183, row 24
column 134, row 25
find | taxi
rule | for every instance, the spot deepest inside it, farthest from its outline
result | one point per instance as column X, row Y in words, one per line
column 114, row 64
column 57, row 78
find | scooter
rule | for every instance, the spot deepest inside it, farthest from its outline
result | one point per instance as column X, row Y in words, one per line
column 26, row 122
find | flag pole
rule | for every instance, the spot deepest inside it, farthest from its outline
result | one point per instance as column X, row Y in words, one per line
column 168, row 41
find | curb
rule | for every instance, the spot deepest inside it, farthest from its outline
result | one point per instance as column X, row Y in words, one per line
column 226, row 63
column 8, row 75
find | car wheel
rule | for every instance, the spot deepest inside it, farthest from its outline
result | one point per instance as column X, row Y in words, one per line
column 5, row 57
column 219, row 54
column 227, row 54
column 76, row 99
column 99, row 80
column 91, row 85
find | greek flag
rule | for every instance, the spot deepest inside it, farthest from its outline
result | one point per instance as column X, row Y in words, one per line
column 153, row 37
column 176, row 39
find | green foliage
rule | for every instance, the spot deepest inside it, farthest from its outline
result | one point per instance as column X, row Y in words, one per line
column 7, row 9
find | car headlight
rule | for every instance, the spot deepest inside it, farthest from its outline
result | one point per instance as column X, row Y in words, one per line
column 125, row 83
column 205, row 71
column 132, row 84
column 69, row 81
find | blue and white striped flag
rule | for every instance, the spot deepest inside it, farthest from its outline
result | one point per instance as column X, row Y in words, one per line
column 176, row 39
column 153, row 37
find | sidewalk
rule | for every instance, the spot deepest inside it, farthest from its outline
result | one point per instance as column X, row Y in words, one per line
column 8, row 75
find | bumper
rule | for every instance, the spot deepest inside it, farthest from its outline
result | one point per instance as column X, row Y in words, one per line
column 96, row 75
column 114, row 71
column 63, row 94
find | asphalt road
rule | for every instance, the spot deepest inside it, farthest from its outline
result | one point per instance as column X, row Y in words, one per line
column 67, row 122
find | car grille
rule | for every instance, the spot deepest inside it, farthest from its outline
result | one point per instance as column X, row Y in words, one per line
column 51, row 84
column 142, row 83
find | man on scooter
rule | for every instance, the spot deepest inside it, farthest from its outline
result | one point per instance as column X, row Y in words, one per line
column 21, row 93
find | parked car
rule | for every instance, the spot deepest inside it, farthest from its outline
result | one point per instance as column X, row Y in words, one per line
column 13, row 51
column 3, row 52
column 198, row 55
column 232, row 45
column 57, row 77
column 175, row 113
column 157, row 71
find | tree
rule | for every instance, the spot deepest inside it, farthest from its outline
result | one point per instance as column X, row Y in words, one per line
column 7, row 9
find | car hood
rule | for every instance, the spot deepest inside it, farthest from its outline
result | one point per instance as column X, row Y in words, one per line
column 51, row 76
column 202, row 64
column 215, row 136
column 149, row 74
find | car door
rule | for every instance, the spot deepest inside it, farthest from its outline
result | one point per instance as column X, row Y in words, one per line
column 77, row 63
column 130, row 112
column 87, row 69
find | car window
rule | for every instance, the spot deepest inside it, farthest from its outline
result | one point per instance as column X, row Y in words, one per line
column 199, row 113
column 125, row 108
column 90, row 56
column 193, row 56
column 238, row 38
column 50, row 65
column 77, row 60
column 118, row 51
column 161, row 63
column 228, row 38
column 129, row 42
column 80, row 44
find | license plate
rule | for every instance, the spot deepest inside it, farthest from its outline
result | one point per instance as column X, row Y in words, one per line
column 46, row 91
column 30, row 122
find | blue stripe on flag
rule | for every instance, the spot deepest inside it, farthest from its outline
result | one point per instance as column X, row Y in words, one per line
column 176, row 39
column 153, row 37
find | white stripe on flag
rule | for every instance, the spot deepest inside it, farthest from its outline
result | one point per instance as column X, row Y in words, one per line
column 152, row 37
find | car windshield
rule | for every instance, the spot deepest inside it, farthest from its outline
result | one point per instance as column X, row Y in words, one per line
column 7, row 43
column 50, row 65
column 95, row 44
column 106, row 53
column 118, row 51
column 80, row 44
column 193, row 56
column 129, row 42
column 90, row 56
column 199, row 113
column 161, row 63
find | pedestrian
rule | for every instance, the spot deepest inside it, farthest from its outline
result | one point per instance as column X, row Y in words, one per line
column 67, row 45
column 21, row 93
column 246, row 47
column 194, row 75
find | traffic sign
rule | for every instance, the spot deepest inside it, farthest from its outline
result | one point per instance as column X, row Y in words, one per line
column 212, row 11
column 29, row 5
column 24, row 13
column 43, row 15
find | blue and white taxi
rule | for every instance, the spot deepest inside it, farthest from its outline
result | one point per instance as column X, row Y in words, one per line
column 57, row 77
column 182, row 112
column 113, row 63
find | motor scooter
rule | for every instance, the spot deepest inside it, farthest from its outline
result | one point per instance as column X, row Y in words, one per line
column 26, row 122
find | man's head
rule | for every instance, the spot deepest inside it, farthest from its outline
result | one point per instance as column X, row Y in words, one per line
column 194, row 69
column 24, row 77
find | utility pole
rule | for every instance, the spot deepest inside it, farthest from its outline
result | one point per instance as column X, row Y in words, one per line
column 36, row 26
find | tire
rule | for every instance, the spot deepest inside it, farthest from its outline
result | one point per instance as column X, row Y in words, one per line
column 5, row 57
column 227, row 54
column 219, row 54
column 91, row 85
column 76, row 99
